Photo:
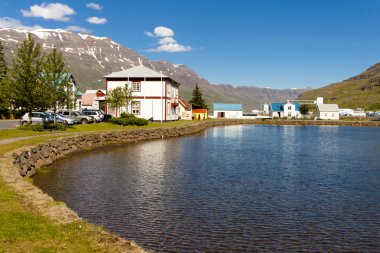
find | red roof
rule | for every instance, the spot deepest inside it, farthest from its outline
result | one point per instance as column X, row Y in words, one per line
column 183, row 102
column 199, row 110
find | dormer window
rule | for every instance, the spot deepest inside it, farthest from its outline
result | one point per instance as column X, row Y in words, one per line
column 136, row 86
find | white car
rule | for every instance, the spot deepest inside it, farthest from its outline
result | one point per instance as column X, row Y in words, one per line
column 97, row 115
column 38, row 118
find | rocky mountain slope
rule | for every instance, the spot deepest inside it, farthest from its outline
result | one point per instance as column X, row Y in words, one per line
column 361, row 91
column 90, row 58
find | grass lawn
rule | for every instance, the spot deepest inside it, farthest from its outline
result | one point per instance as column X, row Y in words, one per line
column 22, row 229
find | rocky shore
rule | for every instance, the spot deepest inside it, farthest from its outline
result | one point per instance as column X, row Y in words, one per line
column 29, row 160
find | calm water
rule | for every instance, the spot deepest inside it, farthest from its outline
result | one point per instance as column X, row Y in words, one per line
column 233, row 189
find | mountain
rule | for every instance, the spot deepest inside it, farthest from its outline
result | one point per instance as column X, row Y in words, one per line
column 90, row 58
column 361, row 91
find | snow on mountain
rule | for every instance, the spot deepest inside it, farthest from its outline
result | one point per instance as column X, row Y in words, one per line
column 91, row 57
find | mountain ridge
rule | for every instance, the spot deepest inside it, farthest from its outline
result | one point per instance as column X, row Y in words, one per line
column 90, row 58
column 360, row 91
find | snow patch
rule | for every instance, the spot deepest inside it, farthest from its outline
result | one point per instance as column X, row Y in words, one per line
column 140, row 61
column 105, row 58
column 83, row 36
column 9, row 39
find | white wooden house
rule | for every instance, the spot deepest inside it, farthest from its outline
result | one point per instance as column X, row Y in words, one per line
column 327, row 111
column 184, row 109
column 279, row 110
column 228, row 111
column 155, row 95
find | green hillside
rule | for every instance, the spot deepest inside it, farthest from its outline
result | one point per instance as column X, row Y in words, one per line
column 361, row 91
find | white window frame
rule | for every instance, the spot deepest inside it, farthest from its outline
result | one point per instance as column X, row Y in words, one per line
column 136, row 107
column 136, row 86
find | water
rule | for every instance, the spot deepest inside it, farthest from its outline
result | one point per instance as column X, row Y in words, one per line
column 233, row 189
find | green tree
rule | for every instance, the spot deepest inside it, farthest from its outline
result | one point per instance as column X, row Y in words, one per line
column 197, row 100
column 304, row 109
column 3, row 65
column 27, row 87
column 119, row 97
column 4, row 87
column 56, row 78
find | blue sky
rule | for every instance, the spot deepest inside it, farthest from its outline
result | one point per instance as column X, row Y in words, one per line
column 264, row 43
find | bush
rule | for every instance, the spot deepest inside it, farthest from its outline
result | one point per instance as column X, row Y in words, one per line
column 125, row 115
column 129, row 121
column 59, row 127
column 29, row 127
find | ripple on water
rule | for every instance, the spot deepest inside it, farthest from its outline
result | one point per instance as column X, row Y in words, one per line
column 233, row 189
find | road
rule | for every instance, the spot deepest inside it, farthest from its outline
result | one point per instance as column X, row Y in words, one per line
column 7, row 124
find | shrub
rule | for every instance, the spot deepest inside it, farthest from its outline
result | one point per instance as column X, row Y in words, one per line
column 125, row 115
column 59, row 127
column 129, row 121
column 29, row 127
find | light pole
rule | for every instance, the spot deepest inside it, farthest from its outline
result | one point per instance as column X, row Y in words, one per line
column 162, row 101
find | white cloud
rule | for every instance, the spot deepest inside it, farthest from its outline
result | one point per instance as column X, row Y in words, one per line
column 171, row 48
column 7, row 22
column 94, row 6
column 96, row 20
column 166, row 42
column 55, row 11
column 161, row 31
column 79, row 29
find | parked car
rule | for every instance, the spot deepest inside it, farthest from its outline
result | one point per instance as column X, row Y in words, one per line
column 79, row 116
column 38, row 118
column 65, row 120
column 98, row 116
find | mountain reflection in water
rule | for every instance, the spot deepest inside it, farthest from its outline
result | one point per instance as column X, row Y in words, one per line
column 233, row 189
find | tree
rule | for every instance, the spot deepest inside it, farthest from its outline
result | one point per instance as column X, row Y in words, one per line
column 4, row 96
column 27, row 88
column 304, row 109
column 3, row 65
column 119, row 97
column 56, row 78
column 197, row 100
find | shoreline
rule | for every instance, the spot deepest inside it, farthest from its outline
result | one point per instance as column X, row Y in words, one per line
column 26, row 160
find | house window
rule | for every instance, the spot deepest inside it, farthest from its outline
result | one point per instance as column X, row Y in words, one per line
column 136, row 107
column 289, row 114
column 333, row 115
column 326, row 114
column 289, row 107
column 136, row 86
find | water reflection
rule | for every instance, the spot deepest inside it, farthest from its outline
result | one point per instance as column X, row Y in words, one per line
column 233, row 189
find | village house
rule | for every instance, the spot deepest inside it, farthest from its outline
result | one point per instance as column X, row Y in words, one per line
column 199, row 114
column 72, row 90
column 228, row 111
column 184, row 109
column 94, row 99
column 327, row 111
column 155, row 95
column 288, row 109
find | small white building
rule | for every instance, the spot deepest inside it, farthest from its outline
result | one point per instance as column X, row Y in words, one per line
column 228, row 111
column 288, row 109
column 185, row 112
column 155, row 95
column 327, row 111
column 94, row 99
